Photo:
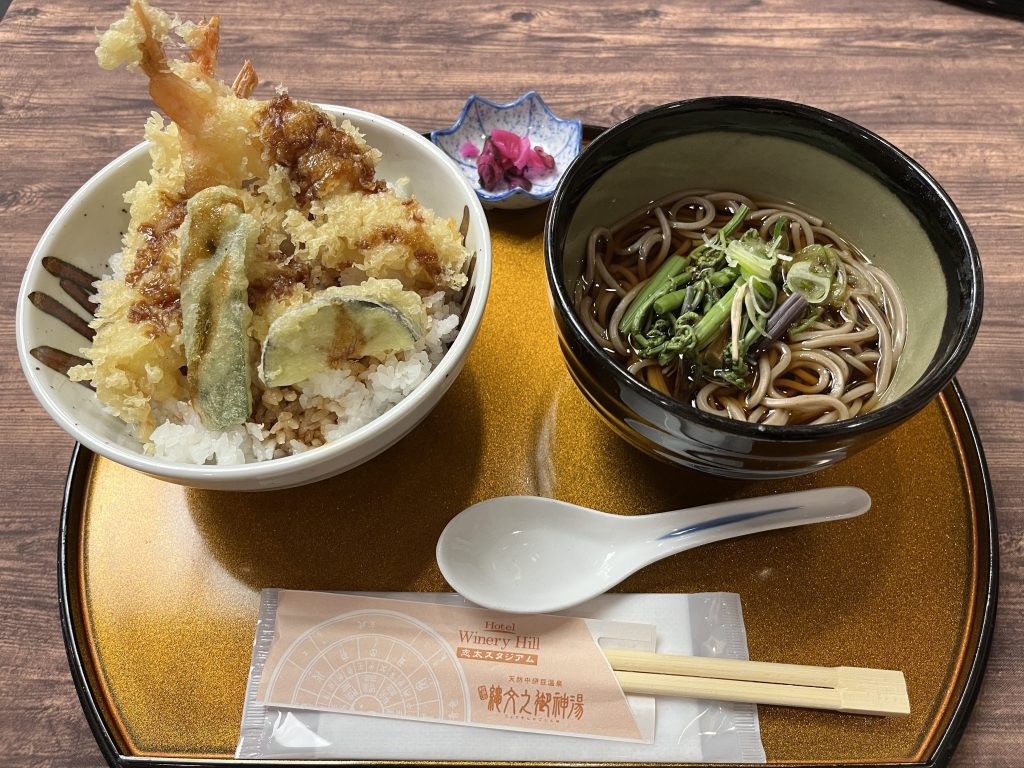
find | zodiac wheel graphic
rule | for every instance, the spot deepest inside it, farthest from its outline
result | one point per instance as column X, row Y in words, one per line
column 372, row 662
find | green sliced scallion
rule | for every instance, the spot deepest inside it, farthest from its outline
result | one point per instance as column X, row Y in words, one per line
column 751, row 255
column 810, row 283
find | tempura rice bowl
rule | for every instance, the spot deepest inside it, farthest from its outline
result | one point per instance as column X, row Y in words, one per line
column 88, row 230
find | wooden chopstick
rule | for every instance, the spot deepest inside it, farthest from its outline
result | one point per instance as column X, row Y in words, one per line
column 844, row 689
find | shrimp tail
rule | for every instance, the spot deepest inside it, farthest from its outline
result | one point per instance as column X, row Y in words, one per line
column 246, row 81
column 172, row 93
column 154, row 59
column 205, row 45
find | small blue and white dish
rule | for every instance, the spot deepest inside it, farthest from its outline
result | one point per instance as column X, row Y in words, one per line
column 526, row 116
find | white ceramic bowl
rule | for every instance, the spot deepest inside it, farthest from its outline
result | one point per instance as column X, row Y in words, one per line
column 88, row 230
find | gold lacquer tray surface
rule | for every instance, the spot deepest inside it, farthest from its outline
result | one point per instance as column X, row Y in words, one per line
column 160, row 584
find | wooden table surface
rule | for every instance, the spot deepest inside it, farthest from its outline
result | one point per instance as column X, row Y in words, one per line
column 942, row 81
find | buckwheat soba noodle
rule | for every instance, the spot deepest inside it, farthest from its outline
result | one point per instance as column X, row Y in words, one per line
column 748, row 309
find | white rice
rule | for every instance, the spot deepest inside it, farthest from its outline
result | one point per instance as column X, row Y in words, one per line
column 320, row 410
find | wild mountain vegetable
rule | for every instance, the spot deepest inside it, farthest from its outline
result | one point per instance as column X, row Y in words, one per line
column 727, row 290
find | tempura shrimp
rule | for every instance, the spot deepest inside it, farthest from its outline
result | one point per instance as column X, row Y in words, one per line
column 210, row 117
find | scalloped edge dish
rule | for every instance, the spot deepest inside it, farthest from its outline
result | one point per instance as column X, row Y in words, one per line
column 528, row 115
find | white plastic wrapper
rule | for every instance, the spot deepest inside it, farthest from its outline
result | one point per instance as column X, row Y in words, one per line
column 687, row 730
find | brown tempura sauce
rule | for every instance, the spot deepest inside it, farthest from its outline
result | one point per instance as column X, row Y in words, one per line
column 414, row 238
column 317, row 155
column 278, row 283
column 155, row 274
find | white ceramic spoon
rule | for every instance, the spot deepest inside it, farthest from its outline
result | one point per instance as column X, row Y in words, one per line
column 526, row 554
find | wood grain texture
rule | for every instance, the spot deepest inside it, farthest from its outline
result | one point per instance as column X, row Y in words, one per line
column 943, row 82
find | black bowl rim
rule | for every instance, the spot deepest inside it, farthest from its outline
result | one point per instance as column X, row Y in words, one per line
column 919, row 395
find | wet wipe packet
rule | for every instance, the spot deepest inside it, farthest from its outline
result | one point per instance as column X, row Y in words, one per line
column 426, row 676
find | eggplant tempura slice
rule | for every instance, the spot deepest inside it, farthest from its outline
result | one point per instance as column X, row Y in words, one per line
column 375, row 319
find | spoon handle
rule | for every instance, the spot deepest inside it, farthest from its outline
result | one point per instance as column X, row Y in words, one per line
column 677, row 531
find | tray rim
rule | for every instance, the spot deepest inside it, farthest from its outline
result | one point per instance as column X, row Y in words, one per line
column 953, row 402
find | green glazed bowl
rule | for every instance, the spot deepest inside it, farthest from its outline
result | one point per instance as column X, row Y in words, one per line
column 866, row 188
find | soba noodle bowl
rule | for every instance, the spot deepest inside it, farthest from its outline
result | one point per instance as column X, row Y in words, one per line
column 749, row 309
